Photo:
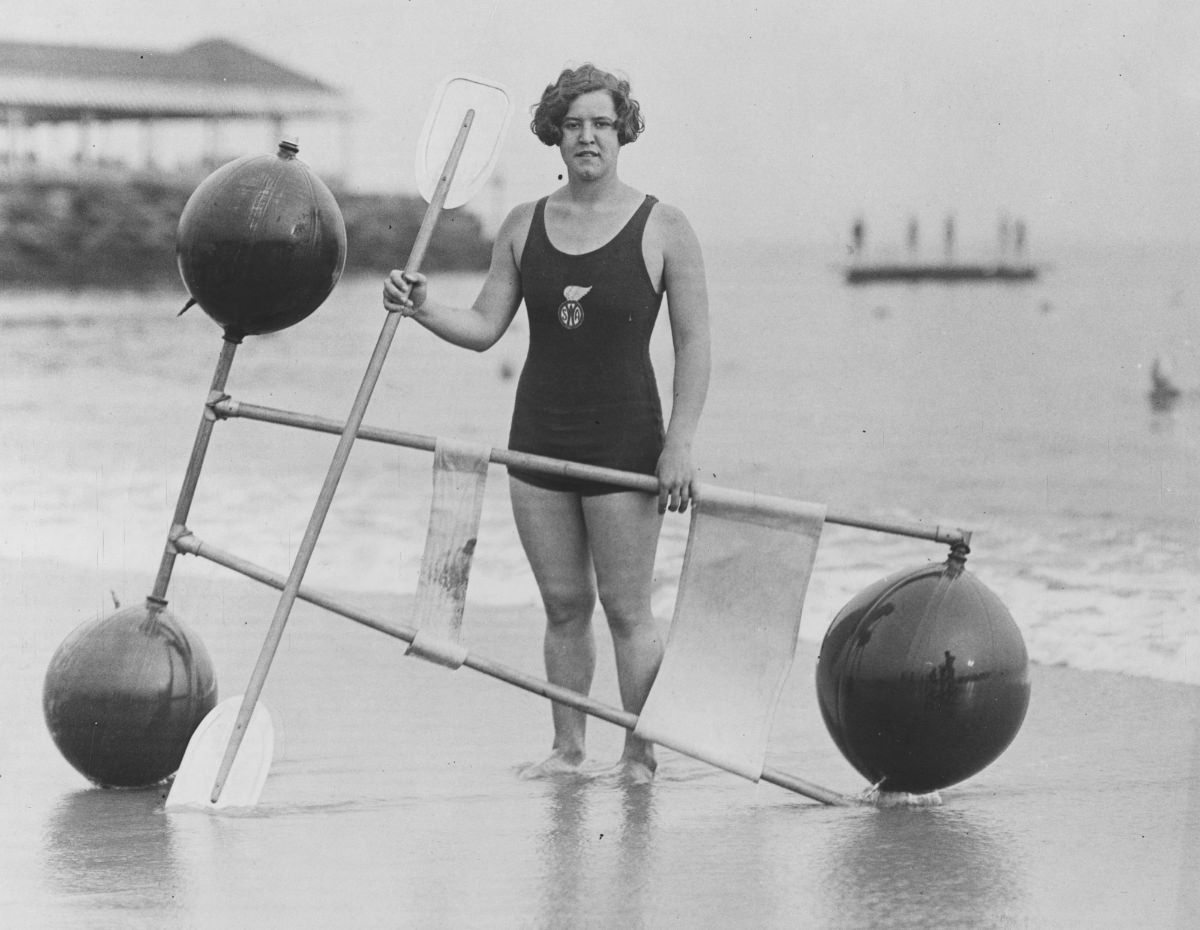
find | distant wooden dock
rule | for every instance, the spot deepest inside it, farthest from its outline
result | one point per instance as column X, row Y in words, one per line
column 945, row 273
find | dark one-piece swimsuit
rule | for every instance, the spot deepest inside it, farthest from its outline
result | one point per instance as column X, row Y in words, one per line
column 587, row 392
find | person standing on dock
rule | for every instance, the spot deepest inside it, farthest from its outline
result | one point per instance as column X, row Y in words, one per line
column 592, row 262
column 950, row 239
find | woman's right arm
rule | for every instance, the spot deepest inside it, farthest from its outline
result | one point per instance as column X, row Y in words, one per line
column 482, row 324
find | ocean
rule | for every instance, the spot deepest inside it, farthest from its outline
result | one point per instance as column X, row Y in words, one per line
column 1020, row 413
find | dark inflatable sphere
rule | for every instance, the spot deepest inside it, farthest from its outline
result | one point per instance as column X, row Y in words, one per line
column 261, row 243
column 123, row 695
column 923, row 679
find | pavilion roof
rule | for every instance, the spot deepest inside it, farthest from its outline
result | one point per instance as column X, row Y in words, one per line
column 212, row 78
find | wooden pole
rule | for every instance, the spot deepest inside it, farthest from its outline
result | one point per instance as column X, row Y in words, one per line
column 336, row 467
column 229, row 407
column 157, row 599
column 187, row 542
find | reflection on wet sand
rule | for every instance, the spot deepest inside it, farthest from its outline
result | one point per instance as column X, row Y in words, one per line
column 632, row 875
column 564, row 854
column 112, row 844
column 923, row 867
column 1188, row 905
column 591, row 878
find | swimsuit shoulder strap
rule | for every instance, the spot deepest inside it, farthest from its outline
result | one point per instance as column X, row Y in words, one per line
column 637, row 223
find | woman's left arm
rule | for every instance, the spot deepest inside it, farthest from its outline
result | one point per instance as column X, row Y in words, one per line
column 687, row 303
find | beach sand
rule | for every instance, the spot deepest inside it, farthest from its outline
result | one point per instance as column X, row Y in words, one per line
column 393, row 800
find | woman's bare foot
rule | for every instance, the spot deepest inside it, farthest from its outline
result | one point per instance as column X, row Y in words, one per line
column 638, row 771
column 559, row 763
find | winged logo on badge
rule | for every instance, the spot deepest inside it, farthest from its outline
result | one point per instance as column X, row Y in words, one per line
column 570, row 311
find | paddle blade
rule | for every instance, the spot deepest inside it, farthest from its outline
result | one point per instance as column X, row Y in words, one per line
column 193, row 782
column 453, row 99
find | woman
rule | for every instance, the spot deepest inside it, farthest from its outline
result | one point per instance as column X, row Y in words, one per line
column 592, row 262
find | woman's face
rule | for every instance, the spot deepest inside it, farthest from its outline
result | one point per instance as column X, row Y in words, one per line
column 589, row 145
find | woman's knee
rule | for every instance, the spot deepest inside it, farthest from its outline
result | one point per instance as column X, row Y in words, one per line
column 566, row 605
column 626, row 616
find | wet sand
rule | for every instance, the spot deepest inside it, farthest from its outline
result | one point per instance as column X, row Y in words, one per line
column 393, row 800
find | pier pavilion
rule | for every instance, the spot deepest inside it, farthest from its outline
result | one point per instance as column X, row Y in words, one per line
column 72, row 109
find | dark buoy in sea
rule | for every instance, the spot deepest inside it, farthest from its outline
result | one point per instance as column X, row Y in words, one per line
column 261, row 243
column 124, row 693
column 923, row 679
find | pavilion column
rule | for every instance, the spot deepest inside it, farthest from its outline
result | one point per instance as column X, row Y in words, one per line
column 14, row 119
column 148, row 160
column 104, row 130
column 214, row 139
column 85, row 138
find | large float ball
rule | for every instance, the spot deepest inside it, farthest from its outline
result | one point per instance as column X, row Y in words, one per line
column 123, row 695
column 923, row 679
column 261, row 243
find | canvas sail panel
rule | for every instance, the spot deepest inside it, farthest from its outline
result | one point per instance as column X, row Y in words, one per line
column 459, row 479
column 735, row 629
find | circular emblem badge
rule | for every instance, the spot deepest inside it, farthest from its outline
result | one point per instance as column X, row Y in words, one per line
column 570, row 311
column 570, row 314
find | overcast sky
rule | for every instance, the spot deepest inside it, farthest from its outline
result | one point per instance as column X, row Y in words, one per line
column 777, row 118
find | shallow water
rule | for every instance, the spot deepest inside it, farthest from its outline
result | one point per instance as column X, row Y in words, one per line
column 393, row 801
column 1019, row 413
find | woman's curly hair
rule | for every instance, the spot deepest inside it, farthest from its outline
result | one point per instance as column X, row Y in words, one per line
column 549, row 112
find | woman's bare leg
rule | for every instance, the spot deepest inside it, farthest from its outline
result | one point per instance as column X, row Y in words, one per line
column 623, row 532
column 551, row 527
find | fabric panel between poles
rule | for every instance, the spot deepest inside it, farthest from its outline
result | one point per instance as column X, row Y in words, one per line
column 733, row 637
column 459, row 478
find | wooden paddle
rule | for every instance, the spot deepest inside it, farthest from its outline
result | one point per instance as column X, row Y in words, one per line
column 452, row 92
column 204, row 752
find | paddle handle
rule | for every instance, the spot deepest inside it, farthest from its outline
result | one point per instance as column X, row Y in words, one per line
column 417, row 254
column 191, row 476
column 340, row 456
